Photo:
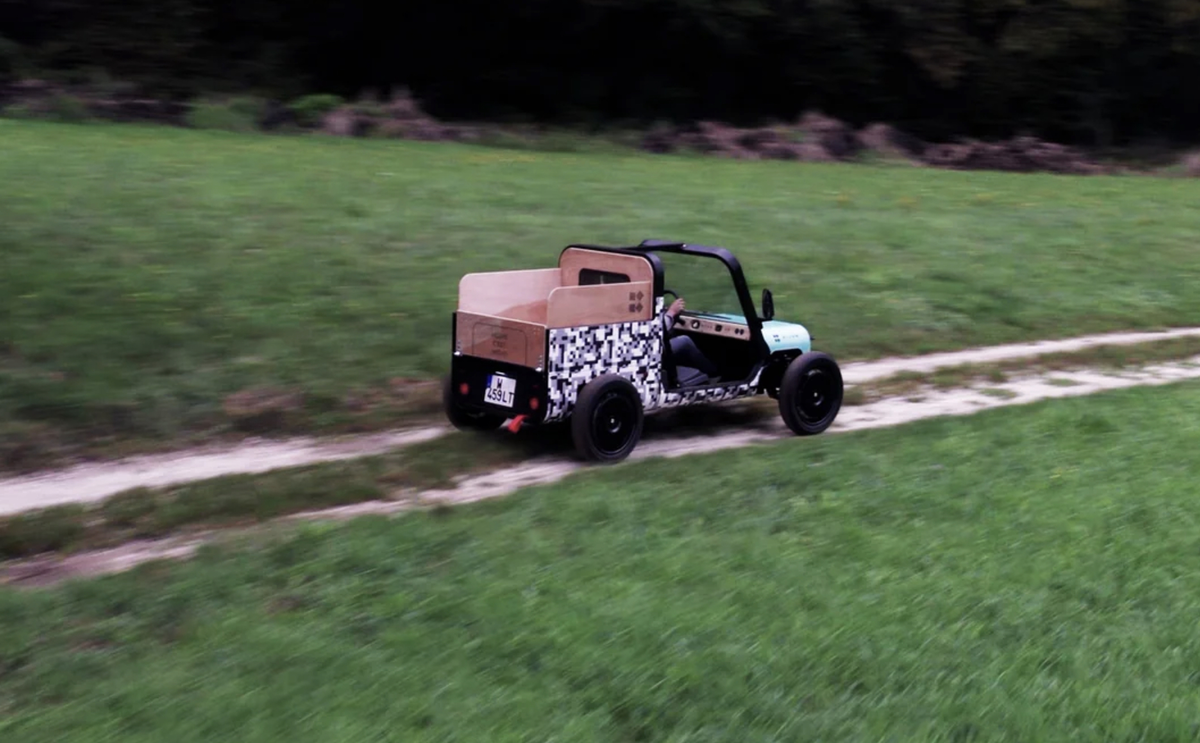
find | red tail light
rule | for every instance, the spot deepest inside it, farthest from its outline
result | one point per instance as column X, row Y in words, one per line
column 464, row 388
column 533, row 403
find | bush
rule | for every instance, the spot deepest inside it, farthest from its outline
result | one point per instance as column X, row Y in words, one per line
column 129, row 509
column 12, row 61
column 49, row 530
column 240, row 114
column 369, row 105
column 1191, row 165
column 68, row 109
column 100, row 82
column 61, row 107
column 310, row 109
column 18, row 111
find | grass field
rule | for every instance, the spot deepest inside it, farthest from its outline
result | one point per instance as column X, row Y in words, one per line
column 998, row 577
column 146, row 274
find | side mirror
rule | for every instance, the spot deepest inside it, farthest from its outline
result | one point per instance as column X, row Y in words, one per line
column 768, row 305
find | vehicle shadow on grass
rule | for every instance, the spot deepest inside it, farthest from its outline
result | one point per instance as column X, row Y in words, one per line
column 555, row 439
column 709, row 420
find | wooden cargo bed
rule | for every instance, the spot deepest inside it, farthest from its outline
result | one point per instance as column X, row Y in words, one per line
column 504, row 315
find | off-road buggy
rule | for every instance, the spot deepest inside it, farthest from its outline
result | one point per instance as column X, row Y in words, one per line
column 586, row 342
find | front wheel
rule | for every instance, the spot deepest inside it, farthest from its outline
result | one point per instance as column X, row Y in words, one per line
column 810, row 394
column 607, row 421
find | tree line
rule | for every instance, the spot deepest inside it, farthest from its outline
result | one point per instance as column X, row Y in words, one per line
column 1093, row 72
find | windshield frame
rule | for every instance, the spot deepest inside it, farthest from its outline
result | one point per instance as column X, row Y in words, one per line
column 713, row 295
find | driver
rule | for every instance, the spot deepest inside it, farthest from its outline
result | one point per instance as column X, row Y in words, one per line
column 683, row 348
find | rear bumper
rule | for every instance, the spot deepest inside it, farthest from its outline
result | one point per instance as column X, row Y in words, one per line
column 469, row 377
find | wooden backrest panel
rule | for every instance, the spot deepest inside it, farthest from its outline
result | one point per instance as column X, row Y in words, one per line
column 601, row 304
column 500, row 339
column 518, row 295
column 573, row 260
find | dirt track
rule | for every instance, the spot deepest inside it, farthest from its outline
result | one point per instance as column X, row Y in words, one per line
column 51, row 569
column 892, row 411
column 93, row 482
column 866, row 371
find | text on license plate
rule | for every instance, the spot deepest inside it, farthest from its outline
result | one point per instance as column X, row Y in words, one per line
column 501, row 390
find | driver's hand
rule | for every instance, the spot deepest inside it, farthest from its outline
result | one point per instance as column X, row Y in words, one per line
column 676, row 307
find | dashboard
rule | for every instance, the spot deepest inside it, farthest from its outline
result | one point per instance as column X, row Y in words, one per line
column 710, row 326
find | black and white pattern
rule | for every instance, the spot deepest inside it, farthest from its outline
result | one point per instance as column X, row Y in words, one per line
column 633, row 350
column 676, row 399
column 579, row 355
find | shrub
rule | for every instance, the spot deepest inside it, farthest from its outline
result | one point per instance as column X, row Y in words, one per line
column 18, row 111
column 128, row 509
column 310, row 109
column 68, row 109
column 1191, row 165
column 102, row 83
column 369, row 105
column 240, row 114
column 48, row 530
column 12, row 60
column 61, row 107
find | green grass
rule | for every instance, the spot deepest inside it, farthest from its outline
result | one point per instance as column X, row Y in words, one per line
column 146, row 273
column 1002, row 577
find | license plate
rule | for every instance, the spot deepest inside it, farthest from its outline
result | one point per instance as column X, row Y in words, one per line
column 501, row 390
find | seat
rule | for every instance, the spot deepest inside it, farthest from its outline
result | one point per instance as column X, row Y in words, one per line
column 689, row 377
column 681, row 376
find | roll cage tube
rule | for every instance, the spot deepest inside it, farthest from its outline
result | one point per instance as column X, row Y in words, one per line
column 732, row 264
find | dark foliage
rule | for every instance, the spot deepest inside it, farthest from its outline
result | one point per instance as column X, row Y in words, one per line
column 1101, row 73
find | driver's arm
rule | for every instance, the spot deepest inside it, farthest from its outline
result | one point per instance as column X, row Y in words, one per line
column 672, row 314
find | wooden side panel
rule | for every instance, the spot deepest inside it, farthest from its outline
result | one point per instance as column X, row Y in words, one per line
column 572, row 306
column 519, row 295
column 635, row 267
column 500, row 339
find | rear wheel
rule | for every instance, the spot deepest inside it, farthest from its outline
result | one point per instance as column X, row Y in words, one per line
column 810, row 395
column 465, row 420
column 607, row 421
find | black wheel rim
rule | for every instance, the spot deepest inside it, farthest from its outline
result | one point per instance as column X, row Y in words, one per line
column 817, row 395
column 612, row 423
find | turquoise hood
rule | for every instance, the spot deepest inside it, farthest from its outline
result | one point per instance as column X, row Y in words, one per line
column 786, row 336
